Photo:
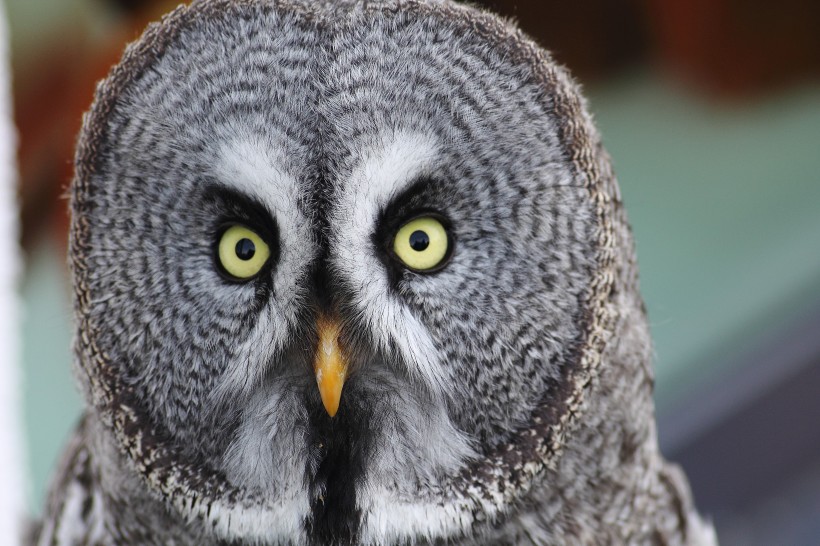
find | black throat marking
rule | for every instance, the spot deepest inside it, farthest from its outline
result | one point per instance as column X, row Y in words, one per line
column 339, row 449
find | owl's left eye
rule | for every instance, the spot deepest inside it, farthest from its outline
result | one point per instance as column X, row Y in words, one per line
column 242, row 253
column 423, row 244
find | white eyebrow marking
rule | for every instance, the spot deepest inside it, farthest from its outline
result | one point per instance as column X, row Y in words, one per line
column 255, row 166
column 381, row 175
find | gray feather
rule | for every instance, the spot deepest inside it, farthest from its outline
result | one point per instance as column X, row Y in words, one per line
column 505, row 399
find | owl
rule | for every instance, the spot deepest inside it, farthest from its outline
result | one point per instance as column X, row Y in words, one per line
column 355, row 273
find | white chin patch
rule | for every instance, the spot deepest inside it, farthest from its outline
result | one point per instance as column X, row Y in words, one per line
column 402, row 497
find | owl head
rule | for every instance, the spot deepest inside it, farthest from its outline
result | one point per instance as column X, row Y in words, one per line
column 346, row 271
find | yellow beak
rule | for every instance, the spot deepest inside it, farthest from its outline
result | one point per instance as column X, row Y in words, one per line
column 330, row 364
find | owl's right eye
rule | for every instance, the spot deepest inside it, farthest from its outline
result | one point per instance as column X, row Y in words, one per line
column 241, row 253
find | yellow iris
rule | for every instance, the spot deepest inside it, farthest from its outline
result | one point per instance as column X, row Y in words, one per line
column 242, row 252
column 421, row 244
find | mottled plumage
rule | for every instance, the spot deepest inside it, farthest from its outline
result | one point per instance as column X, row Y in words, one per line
column 504, row 398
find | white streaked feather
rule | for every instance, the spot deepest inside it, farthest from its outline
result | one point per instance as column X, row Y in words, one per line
column 381, row 176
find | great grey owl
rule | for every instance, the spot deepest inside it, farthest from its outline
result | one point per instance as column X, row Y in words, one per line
column 355, row 273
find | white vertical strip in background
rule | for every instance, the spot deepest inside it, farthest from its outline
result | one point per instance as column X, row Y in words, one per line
column 12, row 468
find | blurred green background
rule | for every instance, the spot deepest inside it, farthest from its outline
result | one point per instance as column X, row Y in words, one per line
column 719, row 168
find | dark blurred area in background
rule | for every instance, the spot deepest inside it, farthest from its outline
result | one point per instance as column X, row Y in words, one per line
column 748, row 440
column 727, row 49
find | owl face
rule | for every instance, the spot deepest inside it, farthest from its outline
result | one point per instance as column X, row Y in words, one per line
column 332, row 262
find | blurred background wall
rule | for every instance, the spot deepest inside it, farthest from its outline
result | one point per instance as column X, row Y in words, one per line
column 711, row 111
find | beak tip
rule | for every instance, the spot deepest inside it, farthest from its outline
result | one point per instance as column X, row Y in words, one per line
column 331, row 405
column 330, row 365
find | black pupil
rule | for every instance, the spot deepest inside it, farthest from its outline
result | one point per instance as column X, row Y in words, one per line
column 245, row 249
column 419, row 241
